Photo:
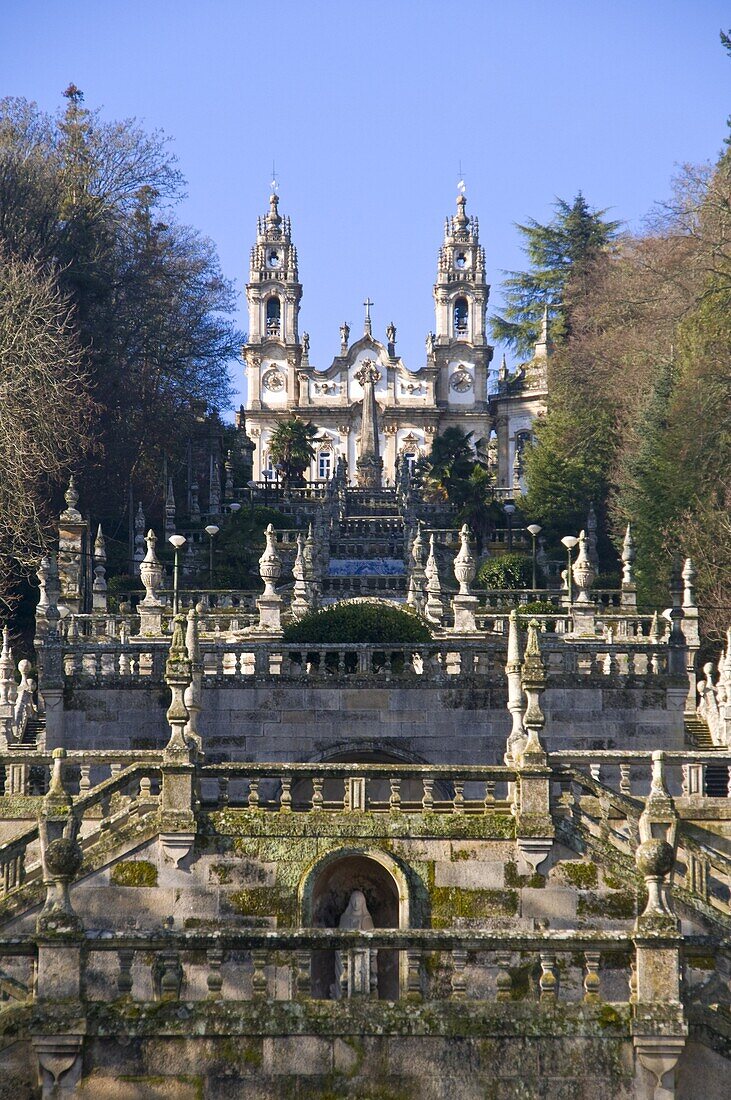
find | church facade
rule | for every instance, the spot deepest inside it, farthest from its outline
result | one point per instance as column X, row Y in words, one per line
column 453, row 388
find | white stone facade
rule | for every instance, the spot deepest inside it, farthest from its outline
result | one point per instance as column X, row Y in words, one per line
column 451, row 388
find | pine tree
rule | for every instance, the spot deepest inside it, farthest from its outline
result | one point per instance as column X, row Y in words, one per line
column 560, row 255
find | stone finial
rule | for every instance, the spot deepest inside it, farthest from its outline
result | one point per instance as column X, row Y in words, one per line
column 214, row 490
column 193, row 695
column 434, row 606
column 99, row 586
column 591, row 537
column 583, row 571
column 465, row 566
column 270, row 562
column 300, row 604
column 517, row 735
column 170, row 510
column 228, row 468
column 655, row 856
column 7, row 671
column 71, row 514
column 502, row 374
column 61, row 855
column 629, row 555
column 151, row 570
column 178, row 675
column 139, row 550
column 417, row 576
column 195, row 504
column 533, row 680
column 689, row 575
column 654, row 634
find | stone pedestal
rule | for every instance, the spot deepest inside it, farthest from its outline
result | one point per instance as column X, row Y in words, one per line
column 465, row 608
column 270, row 614
column 150, row 618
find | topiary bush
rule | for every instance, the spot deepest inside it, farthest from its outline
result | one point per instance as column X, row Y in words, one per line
column 506, row 571
column 359, row 621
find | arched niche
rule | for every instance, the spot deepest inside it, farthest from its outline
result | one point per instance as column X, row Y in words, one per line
column 324, row 895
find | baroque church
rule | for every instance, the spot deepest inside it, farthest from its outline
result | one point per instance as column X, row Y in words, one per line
column 452, row 388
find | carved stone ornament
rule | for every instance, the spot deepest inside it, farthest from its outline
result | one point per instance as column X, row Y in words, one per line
column 273, row 380
column 461, row 380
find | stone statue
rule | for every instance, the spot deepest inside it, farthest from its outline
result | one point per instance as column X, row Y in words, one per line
column 355, row 918
column 305, row 345
column 344, row 334
column 429, row 345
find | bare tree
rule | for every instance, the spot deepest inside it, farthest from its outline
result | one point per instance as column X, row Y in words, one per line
column 45, row 407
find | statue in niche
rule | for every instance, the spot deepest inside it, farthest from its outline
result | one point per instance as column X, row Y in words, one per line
column 355, row 917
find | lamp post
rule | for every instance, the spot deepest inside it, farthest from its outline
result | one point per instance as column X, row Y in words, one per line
column 569, row 541
column 211, row 530
column 509, row 509
column 534, row 531
column 177, row 541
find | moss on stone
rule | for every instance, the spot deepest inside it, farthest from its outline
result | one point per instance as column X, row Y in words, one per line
column 264, row 901
column 451, row 902
column 583, row 876
column 613, row 882
column 619, row 906
column 222, row 871
column 517, row 882
column 134, row 872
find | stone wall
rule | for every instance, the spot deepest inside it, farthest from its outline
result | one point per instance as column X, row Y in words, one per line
column 464, row 724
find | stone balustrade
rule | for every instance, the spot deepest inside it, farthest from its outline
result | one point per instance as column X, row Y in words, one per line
column 377, row 788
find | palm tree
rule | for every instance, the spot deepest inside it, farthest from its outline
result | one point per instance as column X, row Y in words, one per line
column 291, row 450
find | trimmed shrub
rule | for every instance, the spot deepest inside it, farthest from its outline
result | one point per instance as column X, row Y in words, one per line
column 506, row 571
column 359, row 621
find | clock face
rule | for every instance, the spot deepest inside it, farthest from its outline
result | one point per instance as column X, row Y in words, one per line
column 461, row 380
column 274, row 259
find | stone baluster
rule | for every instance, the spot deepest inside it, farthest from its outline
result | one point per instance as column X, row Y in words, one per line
column 503, row 978
column 464, row 603
column 548, row 981
column 214, row 978
column 413, row 974
column 592, row 981
column 625, row 782
column 458, row 799
column 458, row 976
column 223, row 791
column 317, row 798
column 259, row 984
column 253, row 800
column 303, row 975
column 394, row 802
column 126, row 958
column 427, row 801
column 434, row 605
column 285, row 795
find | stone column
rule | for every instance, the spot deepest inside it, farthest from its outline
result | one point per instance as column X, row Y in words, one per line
column 369, row 464
column 533, row 823
column 659, row 1027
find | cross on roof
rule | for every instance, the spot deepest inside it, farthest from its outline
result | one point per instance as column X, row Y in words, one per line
column 368, row 303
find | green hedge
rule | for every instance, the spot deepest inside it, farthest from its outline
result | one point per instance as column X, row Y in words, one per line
column 356, row 621
column 506, row 571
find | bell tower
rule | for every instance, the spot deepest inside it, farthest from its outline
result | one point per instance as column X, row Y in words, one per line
column 273, row 293
column 461, row 292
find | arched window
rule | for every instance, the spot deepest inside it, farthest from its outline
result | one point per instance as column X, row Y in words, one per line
column 461, row 311
column 324, row 465
column 274, row 316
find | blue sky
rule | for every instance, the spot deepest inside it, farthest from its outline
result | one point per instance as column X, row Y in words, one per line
column 368, row 110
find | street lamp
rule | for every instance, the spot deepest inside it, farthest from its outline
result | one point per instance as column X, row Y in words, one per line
column 235, row 507
column 509, row 508
column 534, row 531
column 569, row 541
column 211, row 530
column 177, row 541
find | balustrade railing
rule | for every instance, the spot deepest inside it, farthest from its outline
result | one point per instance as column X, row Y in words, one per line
column 103, row 801
column 376, row 788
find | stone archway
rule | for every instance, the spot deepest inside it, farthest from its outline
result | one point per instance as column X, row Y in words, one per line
column 324, row 895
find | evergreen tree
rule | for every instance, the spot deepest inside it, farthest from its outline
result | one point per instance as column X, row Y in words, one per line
column 560, row 253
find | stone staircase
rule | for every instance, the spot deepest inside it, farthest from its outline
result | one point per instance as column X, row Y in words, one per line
column 698, row 735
